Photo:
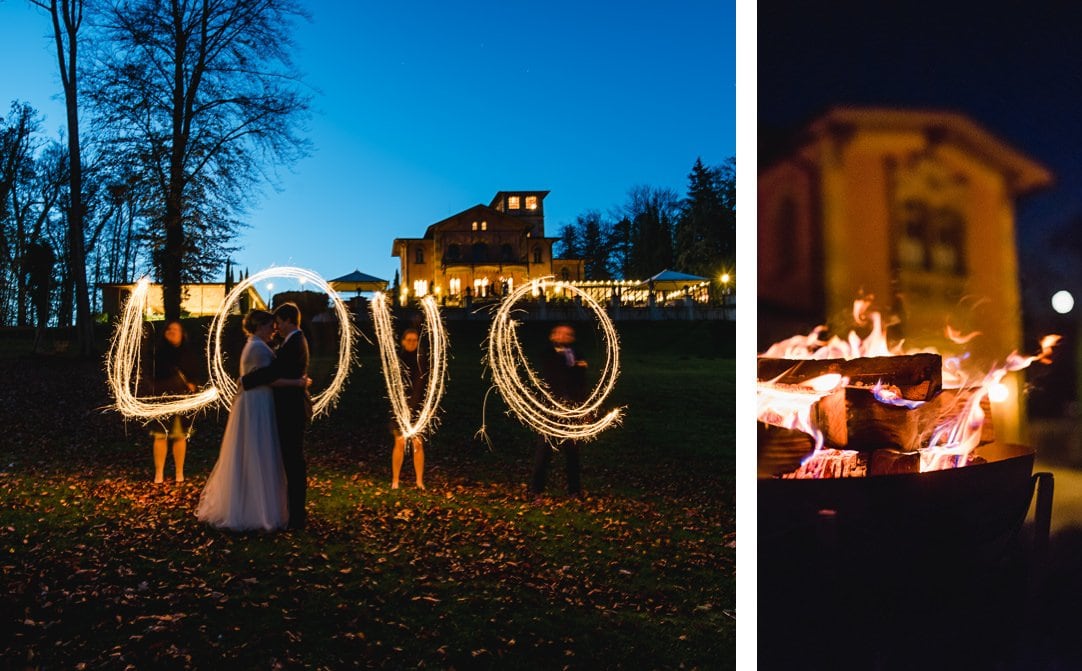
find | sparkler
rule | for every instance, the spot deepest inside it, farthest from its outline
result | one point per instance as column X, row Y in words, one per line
column 392, row 373
column 227, row 387
column 122, row 366
column 528, row 397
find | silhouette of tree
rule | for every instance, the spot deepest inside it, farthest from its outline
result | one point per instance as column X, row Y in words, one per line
column 202, row 98
column 594, row 235
column 38, row 264
column 620, row 244
column 653, row 213
column 568, row 245
column 703, row 238
column 67, row 21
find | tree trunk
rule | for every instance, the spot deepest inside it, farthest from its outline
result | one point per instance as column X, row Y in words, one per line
column 172, row 259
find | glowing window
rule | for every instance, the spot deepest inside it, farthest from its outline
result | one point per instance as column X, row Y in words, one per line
column 484, row 225
column 513, row 202
column 531, row 202
column 475, row 225
column 420, row 287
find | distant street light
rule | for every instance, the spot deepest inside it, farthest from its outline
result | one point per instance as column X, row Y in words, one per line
column 1062, row 302
column 725, row 277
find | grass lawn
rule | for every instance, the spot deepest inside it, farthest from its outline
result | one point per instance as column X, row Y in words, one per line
column 104, row 569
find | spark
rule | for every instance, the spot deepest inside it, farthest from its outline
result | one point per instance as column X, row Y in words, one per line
column 228, row 387
column 528, row 397
column 392, row 373
column 122, row 367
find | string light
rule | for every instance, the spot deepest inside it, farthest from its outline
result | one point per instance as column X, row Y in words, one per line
column 392, row 372
column 122, row 367
column 528, row 397
column 228, row 387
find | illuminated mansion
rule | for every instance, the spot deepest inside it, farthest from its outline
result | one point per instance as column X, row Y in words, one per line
column 483, row 251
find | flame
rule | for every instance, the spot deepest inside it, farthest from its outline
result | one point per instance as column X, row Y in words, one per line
column 956, row 337
column 888, row 396
column 853, row 346
column 951, row 442
column 790, row 406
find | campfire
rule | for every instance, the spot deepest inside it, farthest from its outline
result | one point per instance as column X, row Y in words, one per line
column 861, row 406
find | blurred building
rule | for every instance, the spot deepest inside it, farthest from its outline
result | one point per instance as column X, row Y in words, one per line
column 915, row 207
column 196, row 300
column 483, row 251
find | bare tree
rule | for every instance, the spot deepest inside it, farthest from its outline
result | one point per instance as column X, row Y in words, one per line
column 18, row 145
column 67, row 19
column 653, row 213
column 203, row 98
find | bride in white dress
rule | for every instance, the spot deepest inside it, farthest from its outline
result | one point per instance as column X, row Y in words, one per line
column 246, row 490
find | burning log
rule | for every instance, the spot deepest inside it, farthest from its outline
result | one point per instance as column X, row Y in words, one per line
column 918, row 377
column 874, row 425
column 785, row 430
column 893, row 462
column 828, row 464
column 782, row 450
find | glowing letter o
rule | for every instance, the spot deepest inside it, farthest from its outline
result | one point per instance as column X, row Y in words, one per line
column 226, row 385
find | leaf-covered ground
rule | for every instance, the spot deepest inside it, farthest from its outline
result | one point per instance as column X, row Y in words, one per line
column 104, row 569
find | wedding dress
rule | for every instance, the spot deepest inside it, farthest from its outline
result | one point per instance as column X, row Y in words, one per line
column 247, row 487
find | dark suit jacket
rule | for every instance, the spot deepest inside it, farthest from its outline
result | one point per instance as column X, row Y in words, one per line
column 290, row 363
column 566, row 382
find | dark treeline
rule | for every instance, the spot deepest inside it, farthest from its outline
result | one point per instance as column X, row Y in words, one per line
column 656, row 229
column 173, row 113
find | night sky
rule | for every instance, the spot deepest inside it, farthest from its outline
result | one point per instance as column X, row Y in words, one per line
column 1017, row 73
column 425, row 109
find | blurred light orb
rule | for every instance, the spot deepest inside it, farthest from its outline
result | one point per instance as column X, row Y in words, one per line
column 998, row 392
column 1062, row 302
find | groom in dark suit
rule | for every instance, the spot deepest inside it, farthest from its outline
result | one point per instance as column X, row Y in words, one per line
column 291, row 405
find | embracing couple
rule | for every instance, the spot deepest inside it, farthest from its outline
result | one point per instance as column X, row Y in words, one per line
column 260, row 480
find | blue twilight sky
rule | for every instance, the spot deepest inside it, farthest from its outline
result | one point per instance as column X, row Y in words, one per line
column 424, row 109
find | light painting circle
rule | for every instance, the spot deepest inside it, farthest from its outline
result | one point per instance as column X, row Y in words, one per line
column 122, row 367
column 228, row 387
column 392, row 373
column 528, row 396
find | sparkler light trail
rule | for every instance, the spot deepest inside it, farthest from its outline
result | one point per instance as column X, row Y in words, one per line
column 227, row 387
column 527, row 396
column 122, row 367
column 392, row 373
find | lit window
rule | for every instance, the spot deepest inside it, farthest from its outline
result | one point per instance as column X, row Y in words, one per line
column 484, row 225
column 420, row 288
column 475, row 225
column 531, row 202
column 513, row 202
column 454, row 285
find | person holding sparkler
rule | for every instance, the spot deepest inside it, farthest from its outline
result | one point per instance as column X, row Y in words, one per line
column 564, row 372
column 415, row 371
column 172, row 374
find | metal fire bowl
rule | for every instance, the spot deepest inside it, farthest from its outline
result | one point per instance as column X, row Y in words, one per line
column 905, row 518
